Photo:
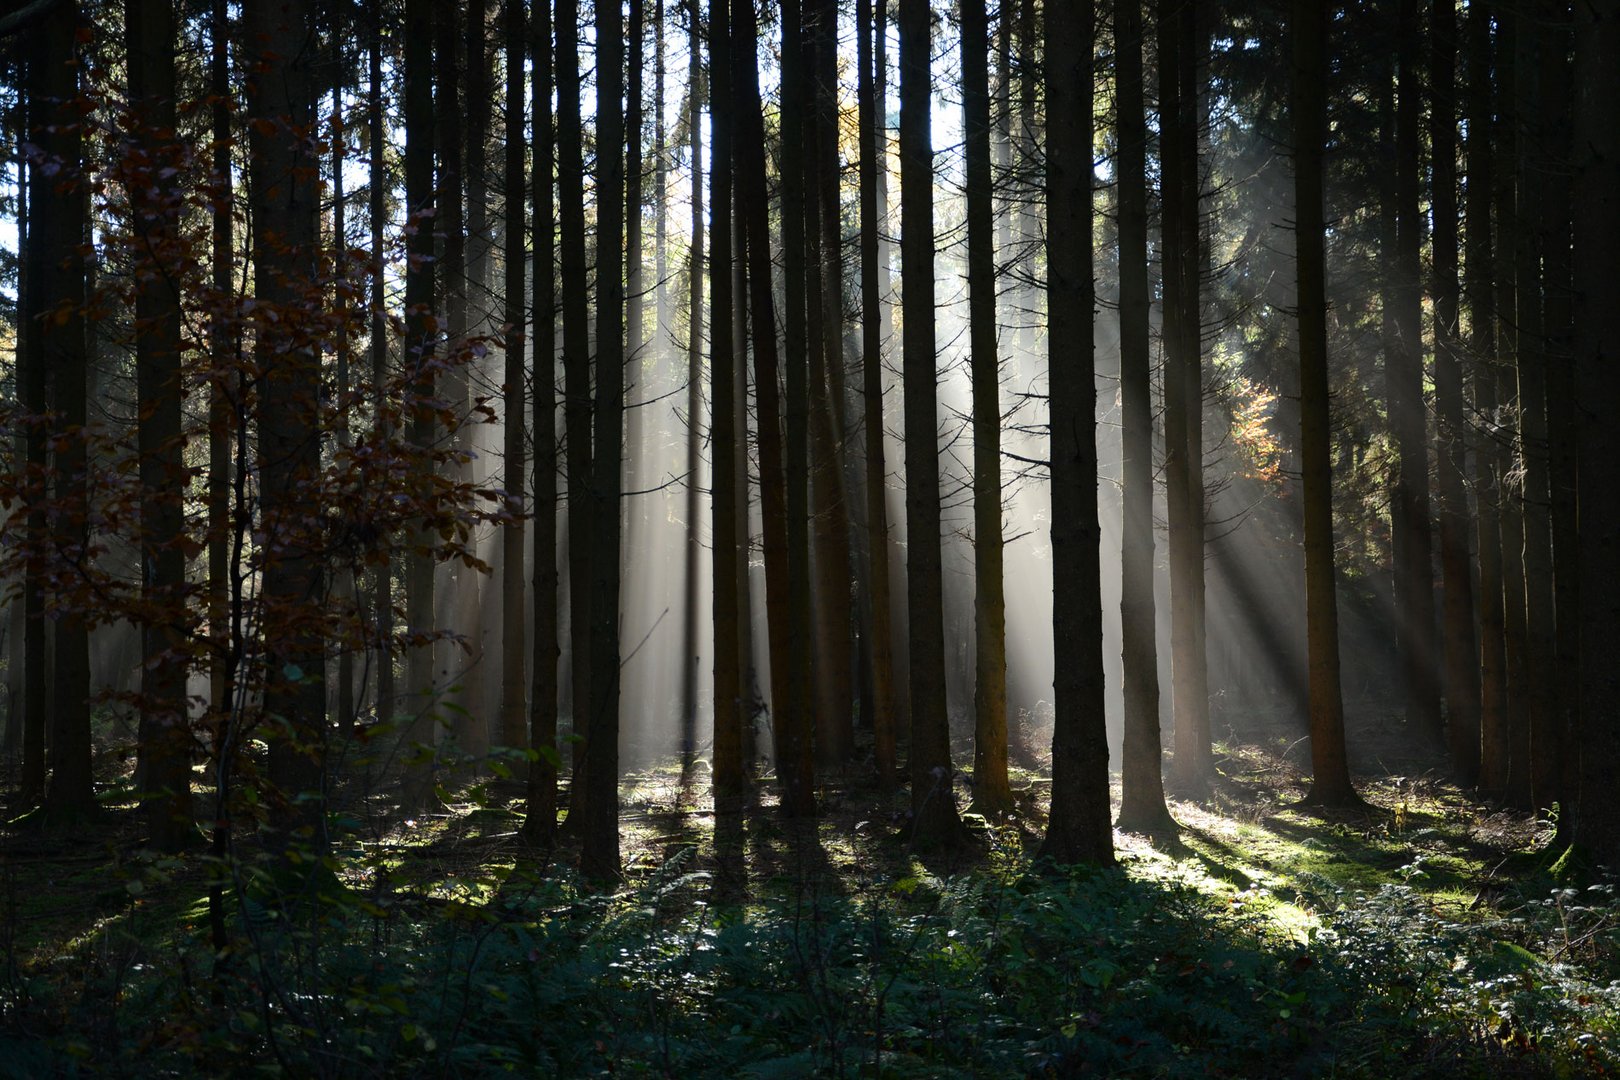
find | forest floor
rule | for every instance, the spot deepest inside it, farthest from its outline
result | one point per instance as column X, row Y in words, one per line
column 1427, row 935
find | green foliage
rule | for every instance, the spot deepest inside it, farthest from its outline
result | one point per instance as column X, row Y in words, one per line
column 1149, row 971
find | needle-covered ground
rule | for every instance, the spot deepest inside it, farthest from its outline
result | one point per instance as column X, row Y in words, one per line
column 1430, row 936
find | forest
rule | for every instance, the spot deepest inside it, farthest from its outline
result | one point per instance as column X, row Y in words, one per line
column 765, row 538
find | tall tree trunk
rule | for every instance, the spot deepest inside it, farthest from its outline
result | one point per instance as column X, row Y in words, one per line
column 60, row 357
column 285, row 207
column 1509, row 342
column 1142, row 806
column 933, row 802
column 599, row 834
column 540, row 813
column 514, row 689
column 1330, row 784
column 418, row 361
column 694, row 406
column 752, row 696
column 67, row 351
column 991, row 792
column 1534, row 169
column 470, row 616
column 794, row 716
column 454, row 585
column 835, row 730
column 17, row 617
column 165, row 737
column 33, row 362
column 1183, row 394
column 222, row 344
column 1461, row 661
column 1079, row 830
column 1412, row 538
column 726, row 436
column 1596, row 162
column 753, row 208
column 576, row 350
column 344, row 585
column 383, row 582
column 1490, row 458
column 873, row 164
column 1559, row 94
column 635, row 438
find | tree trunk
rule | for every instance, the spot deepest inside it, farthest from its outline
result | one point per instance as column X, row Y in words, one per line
column 344, row 592
column 694, row 406
column 874, row 163
column 1079, row 829
column 1596, row 164
column 792, row 706
column 992, row 794
column 599, row 834
column 33, row 360
column 418, row 361
column 61, row 355
column 165, row 736
column 540, row 813
column 726, row 435
column 1183, row 394
column 383, row 582
column 1493, row 749
column 514, row 713
column 576, row 349
column 933, row 802
column 1330, row 784
column 1142, row 806
column 455, row 609
column 1561, row 414
column 835, row 730
column 1412, row 539
column 285, row 206
column 222, row 345
column 1534, row 176
column 1461, row 661
column 1510, row 342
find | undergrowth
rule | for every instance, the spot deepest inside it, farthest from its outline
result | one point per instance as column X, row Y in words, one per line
column 1149, row 970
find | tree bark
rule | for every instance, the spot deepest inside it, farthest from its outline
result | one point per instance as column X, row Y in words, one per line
column 1533, row 179
column 540, row 812
column 1461, row 660
column 286, row 203
column 1596, row 162
column 599, row 834
column 1183, row 394
column 1559, row 94
column 165, row 736
column 874, row 163
column 1142, row 806
column 1412, row 539
column 1491, row 461
column 694, row 407
column 383, row 581
column 576, row 350
column 514, row 711
column 933, row 802
column 1330, row 784
column 726, row 435
column 420, row 326
column 57, row 289
column 834, row 688
column 791, row 701
column 992, row 793
column 1079, row 830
